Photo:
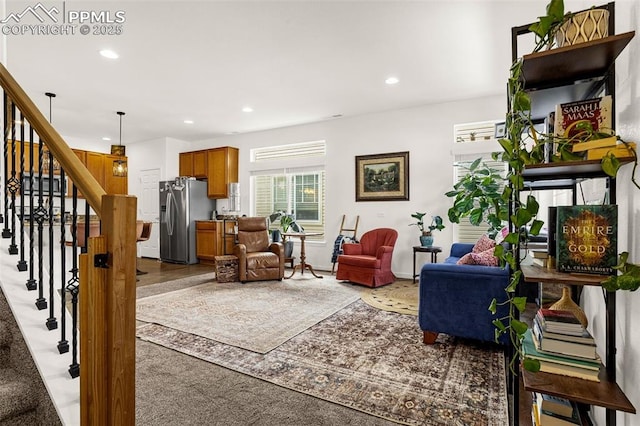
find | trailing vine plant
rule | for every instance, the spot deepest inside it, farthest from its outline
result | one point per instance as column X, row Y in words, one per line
column 524, row 213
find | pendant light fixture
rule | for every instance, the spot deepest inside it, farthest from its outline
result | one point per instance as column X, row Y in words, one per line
column 120, row 165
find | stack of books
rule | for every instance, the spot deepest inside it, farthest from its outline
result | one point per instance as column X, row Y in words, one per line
column 598, row 148
column 548, row 410
column 539, row 257
column 562, row 345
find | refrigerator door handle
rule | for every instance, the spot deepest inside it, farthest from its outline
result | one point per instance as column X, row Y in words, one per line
column 168, row 213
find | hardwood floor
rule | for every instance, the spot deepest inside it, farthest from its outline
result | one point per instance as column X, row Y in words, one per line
column 158, row 272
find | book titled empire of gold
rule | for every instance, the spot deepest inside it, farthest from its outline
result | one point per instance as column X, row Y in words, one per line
column 587, row 239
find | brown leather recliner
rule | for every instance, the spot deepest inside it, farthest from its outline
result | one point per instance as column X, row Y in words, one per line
column 257, row 259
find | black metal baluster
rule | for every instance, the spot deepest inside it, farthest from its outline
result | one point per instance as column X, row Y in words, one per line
column 31, row 282
column 4, row 155
column 14, row 184
column 22, row 264
column 52, row 322
column 41, row 217
column 85, row 247
column 63, row 345
column 6, row 232
column 72, row 287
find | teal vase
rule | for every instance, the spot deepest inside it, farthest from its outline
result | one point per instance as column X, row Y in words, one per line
column 426, row 240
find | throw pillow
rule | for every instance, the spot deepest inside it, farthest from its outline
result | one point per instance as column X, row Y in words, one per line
column 485, row 258
column 466, row 260
column 484, row 243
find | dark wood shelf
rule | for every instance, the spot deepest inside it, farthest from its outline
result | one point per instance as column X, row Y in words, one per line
column 565, row 174
column 566, row 65
column 605, row 393
column 568, row 169
column 538, row 274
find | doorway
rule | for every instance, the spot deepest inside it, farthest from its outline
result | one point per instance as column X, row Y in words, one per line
column 149, row 211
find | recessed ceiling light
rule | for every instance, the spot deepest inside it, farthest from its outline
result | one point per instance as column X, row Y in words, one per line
column 188, row 121
column 109, row 54
column 247, row 109
column 106, row 138
column 392, row 80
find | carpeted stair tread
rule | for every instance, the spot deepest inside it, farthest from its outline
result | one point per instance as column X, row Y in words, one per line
column 15, row 395
column 5, row 335
column 5, row 343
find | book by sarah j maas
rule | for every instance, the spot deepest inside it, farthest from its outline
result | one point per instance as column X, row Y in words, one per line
column 587, row 239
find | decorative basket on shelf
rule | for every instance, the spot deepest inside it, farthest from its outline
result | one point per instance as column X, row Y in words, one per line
column 591, row 24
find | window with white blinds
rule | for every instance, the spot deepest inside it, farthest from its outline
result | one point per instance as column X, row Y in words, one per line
column 465, row 231
column 295, row 190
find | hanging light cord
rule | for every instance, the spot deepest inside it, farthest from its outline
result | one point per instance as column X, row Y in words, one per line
column 51, row 96
column 120, row 113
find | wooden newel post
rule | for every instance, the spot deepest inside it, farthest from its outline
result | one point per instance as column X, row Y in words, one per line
column 108, row 317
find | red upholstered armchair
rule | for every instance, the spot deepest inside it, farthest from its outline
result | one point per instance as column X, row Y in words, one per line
column 369, row 262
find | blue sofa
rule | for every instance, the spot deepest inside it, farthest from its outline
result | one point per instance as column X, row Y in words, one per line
column 454, row 299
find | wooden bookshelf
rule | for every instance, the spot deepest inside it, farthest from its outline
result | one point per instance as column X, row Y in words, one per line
column 605, row 393
column 565, row 65
column 538, row 274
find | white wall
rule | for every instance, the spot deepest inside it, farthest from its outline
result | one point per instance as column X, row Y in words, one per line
column 628, row 200
column 159, row 153
column 426, row 132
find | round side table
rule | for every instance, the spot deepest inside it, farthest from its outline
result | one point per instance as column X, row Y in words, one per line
column 431, row 249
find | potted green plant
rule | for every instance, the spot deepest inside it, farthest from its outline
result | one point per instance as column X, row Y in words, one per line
column 426, row 239
column 287, row 221
column 478, row 195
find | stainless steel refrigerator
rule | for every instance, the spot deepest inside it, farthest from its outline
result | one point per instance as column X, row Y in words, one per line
column 182, row 202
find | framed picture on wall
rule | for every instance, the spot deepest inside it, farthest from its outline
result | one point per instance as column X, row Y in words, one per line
column 382, row 177
column 500, row 130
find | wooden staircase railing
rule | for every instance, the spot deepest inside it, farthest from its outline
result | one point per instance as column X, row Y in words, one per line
column 107, row 279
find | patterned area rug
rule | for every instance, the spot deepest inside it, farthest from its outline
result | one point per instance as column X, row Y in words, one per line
column 401, row 297
column 373, row 361
column 258, row 316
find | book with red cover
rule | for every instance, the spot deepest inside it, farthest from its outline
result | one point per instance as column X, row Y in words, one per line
column 597, row 111
column 559, row 321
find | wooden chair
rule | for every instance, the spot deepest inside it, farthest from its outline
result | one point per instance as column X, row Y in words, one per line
column 144, row 232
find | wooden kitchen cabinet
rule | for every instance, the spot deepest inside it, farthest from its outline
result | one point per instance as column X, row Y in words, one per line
column 194, row 163
column 82, row 155
column 185, row 167
column 27, row 162
column 219, row 166
column 200, row 159
column 114, row 184
column 210, row 240
column 222, row 169
column 95, row 165
column 100, row 165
